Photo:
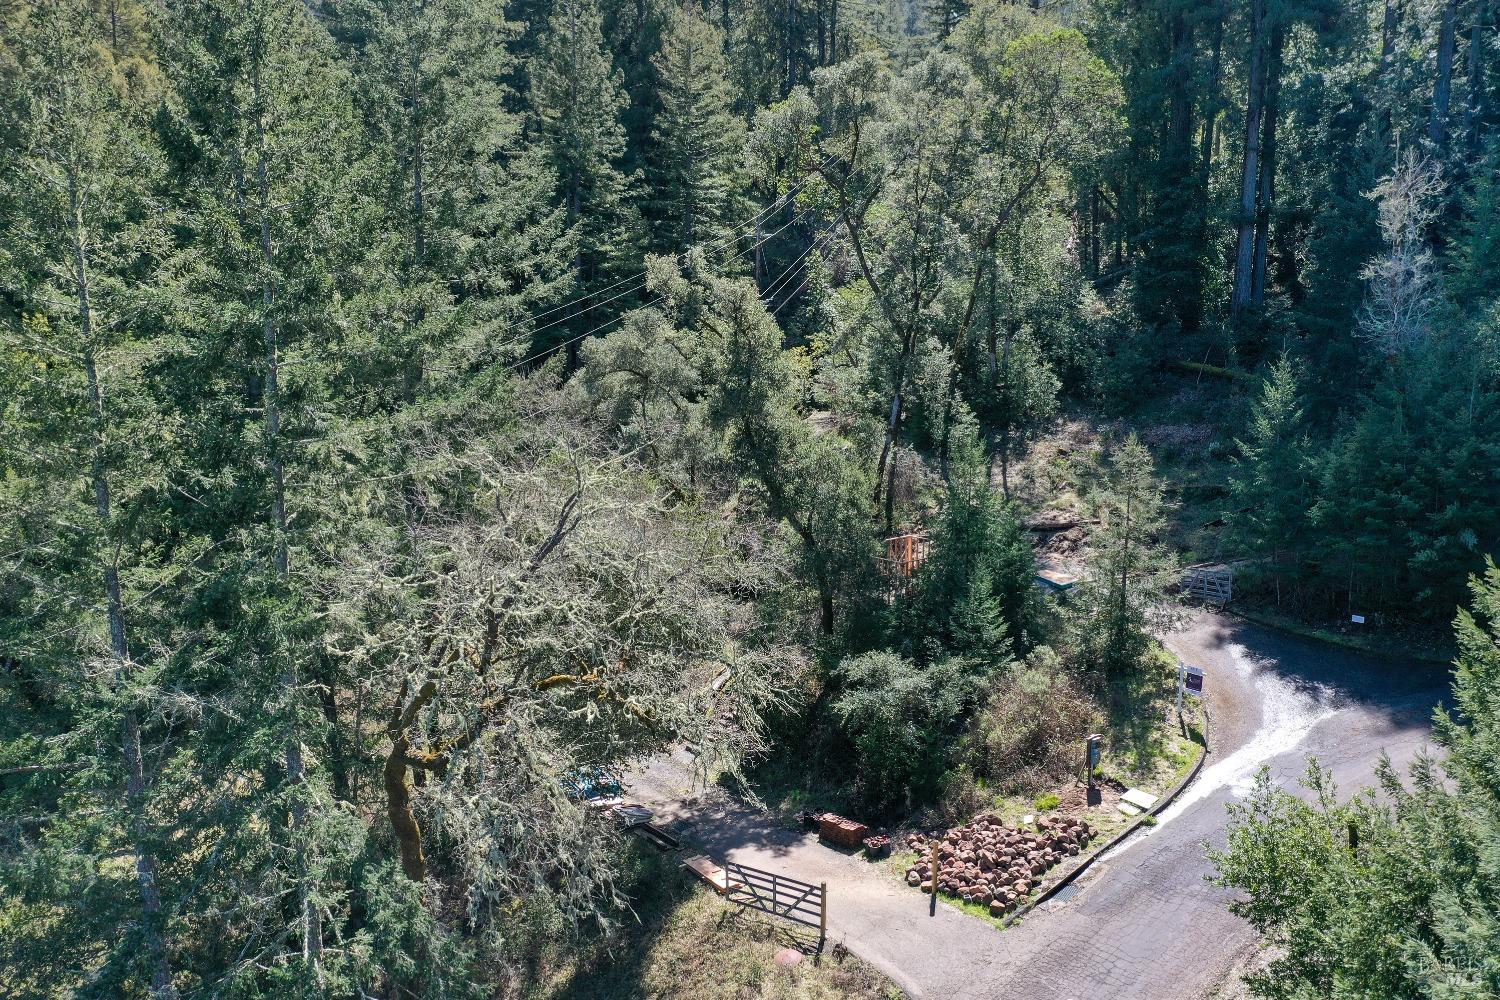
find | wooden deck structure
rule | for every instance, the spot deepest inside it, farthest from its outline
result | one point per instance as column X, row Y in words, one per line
column 904, row 555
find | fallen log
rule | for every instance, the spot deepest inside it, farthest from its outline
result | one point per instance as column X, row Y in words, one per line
column 1212, row 371
column 1048, row 522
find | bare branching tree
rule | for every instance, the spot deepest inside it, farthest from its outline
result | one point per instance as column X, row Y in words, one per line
column 550, row 609
column 1401, row 288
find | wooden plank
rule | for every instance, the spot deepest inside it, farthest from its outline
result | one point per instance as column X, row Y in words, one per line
column 823, row 911
column 711, row 873
column 796, row 903
column 657, row 836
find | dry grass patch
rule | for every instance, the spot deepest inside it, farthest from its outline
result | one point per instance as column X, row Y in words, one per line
column 689, row 944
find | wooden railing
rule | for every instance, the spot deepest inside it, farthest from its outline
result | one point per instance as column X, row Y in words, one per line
column 904, row 555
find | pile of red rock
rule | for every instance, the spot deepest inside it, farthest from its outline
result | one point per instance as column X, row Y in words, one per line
column 992, row 864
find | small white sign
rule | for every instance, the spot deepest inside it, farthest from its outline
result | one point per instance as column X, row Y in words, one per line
column 1357, row 619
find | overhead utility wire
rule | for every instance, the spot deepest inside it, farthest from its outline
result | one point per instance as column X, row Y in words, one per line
column 778, row 282
column 750, row 224
column 772, row 234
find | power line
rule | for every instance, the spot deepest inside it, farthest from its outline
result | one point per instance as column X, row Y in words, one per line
column 769, row 236
column 792, row 295
column 779, row 282
column 581, row 336
column 803, row 214
column 823, row 239
column 740, row 231
column 642, row 284
column 563, row 319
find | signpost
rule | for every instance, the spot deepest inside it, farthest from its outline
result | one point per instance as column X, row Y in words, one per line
column 1091, row 760
column 933, row 880
column 1190, row 680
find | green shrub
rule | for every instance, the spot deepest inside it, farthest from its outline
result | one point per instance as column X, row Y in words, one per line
column 902, row 719
column 1031, row 734
column 1046, row 802
column 960, row 798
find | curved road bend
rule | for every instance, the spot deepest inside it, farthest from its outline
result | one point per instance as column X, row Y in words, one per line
column 1142, row 923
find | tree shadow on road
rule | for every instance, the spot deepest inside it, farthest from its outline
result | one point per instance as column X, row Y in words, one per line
column 1402, row 690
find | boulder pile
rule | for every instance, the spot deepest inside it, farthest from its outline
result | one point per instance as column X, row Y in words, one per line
column 994, row 865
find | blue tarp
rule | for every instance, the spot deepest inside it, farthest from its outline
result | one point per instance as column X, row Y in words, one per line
column 592, row 783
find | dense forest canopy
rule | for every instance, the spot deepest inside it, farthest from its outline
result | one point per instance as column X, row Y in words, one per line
column 406, row 405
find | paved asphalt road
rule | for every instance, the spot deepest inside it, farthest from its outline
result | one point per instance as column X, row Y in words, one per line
column 1142, row 922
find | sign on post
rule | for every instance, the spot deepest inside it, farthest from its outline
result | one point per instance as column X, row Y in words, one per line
column 1189, row 679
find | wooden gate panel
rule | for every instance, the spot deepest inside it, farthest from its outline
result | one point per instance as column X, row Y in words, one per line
column 1210, row 584
column 780, row 896
column 767, row 892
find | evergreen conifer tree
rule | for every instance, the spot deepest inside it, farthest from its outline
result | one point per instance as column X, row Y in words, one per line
column 577, row 100
column 1014, row 386
column 1477, row 252
column 87, row 449
column 633, row 32
column 1271, row 488
column 1113, row 615
column 280, row 224
column 469, row 237
column 697, row 140
column 1410, row 493
column 976, row 587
